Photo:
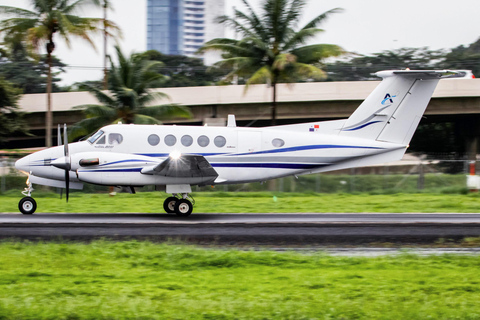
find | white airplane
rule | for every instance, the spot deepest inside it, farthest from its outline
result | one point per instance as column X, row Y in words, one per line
column 179, row 157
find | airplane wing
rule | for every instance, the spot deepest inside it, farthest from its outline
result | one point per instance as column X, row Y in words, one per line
column 186, row 166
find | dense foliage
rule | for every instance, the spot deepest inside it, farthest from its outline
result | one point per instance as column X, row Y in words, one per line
column 183, row 71
column 27, row 73
column 270, row 49
column 129, row 98
column 358, row 67
column 38, row 27
column 10, row 119
column 363, row 67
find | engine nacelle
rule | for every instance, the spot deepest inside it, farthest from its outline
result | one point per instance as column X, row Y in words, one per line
column 108, row 168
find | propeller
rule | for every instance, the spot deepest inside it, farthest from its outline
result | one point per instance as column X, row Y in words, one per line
column 59, row 143
column 59, row 136
column 64, row 163
column 68, row 166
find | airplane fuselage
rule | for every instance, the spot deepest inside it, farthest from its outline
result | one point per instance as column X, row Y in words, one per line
column 237, row 154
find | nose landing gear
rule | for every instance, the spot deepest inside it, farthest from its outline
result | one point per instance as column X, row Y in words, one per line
column 182, row 207
column 27, row 204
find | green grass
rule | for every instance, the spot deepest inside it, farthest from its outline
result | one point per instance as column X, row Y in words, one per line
column 141, row 280
column 252, row 202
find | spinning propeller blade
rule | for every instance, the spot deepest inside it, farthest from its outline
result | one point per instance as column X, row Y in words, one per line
column 67, row 161
column 59, row 136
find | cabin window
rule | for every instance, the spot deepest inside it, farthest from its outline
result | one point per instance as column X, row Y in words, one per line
column 101, row 140
column 153, row 139
column 170, row 140
column 115, row 138
column 203, row 141
column 187, row 140
column 277, row 143
column 97, row 135
column 219, row 141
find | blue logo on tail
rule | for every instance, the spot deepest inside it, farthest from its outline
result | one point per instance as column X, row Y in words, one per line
column 387, row 98
column 367, row 121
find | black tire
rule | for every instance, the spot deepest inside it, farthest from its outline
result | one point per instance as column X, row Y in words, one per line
column 169, row 204
column 183, row 208
column 27, row 205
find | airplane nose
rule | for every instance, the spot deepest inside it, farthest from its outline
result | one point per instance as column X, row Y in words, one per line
column 23, row 164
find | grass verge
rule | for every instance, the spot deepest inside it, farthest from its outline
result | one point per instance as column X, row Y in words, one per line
column 252, row 202
column 141, row 280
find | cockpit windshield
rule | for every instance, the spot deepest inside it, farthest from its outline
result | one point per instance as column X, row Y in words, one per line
column 95, row 137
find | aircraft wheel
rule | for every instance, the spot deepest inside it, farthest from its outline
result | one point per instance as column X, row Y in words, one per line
column 183, row 208
column 169, row 204
column 27, row 205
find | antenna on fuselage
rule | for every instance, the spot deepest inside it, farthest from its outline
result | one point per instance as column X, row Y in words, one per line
column 231, row 121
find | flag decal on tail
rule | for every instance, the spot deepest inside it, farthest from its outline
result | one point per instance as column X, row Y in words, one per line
column 314, row 128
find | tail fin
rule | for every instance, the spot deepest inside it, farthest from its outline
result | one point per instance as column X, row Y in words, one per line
column 391, row 113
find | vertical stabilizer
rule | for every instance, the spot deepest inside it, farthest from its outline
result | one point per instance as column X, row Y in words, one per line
column 393, row 110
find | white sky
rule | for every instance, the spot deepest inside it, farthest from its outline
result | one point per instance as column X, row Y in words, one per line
column 365, row 26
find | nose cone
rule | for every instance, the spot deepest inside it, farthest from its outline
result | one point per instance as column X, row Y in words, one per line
column 23, row 164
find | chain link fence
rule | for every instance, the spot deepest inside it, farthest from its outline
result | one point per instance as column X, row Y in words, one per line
column 414, row 174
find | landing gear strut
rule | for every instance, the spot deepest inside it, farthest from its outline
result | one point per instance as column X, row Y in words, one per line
column 27, row 204
column 179, row 204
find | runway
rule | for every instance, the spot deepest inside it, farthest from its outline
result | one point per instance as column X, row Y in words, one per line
column 259, row 229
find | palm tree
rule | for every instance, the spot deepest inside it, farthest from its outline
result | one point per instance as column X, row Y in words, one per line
column 128, row 97
column 38, row 27
column 270, row 49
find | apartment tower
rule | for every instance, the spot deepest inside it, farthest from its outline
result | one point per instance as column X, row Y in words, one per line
column 183, row 26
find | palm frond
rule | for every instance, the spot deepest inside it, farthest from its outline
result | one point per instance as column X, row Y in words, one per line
column 320, row 18
column 300, row 38
column 18, row 12
column 143, row 119
column 86, row 127
column 98, row 110
column 101, row 96
column 152, row 96
column 257, row 24
column 317, row 52
column 308, row 71
column 166, row 111
column 282, row 60
column 245, row 28
column 262, row 75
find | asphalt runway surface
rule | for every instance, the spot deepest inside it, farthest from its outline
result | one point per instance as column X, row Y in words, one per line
column 289, row 229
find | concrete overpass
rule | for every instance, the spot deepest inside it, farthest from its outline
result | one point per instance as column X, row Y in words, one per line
column 301, row 102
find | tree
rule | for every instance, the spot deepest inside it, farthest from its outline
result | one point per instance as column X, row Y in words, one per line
column 362, row 68
column 183, row 71
column 128, row 99
column 37, row 27
column 10, row 119
column 464, row 58
column 28, row 74
column 270, row 49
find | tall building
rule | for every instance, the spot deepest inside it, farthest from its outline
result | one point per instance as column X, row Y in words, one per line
column 183, row 26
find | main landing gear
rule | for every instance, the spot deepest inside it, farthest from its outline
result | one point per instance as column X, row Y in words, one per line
column 179, row 204
column 27, row 204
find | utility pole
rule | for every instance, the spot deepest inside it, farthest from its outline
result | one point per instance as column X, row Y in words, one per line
column 105, row 71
